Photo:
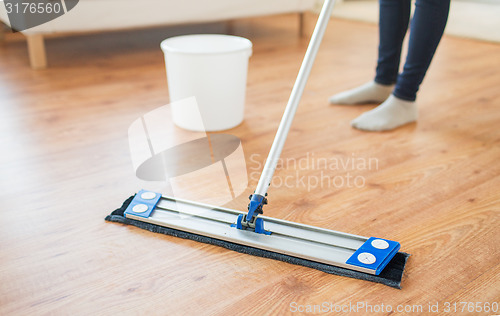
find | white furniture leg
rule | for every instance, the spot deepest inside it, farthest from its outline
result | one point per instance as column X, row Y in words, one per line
column 3, row 30
column 36, row 51
column 230, row 27
column 301, row 24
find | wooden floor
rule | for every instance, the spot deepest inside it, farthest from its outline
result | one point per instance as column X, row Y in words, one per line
column 65, row 164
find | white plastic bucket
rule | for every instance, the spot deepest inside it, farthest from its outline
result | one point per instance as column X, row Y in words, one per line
column 213, row 69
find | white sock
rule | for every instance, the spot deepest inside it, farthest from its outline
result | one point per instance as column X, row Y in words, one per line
column 370, row 92
column 392, row 113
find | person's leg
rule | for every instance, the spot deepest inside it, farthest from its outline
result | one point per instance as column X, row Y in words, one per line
column 427, row 28
column 394, row 16
column 393, row 25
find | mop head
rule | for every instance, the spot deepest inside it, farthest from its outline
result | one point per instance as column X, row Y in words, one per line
column 391, row 275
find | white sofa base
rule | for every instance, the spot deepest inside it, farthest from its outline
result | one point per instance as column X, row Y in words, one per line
column 108, row 15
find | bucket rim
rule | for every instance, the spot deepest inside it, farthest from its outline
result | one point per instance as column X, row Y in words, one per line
column 167, row 47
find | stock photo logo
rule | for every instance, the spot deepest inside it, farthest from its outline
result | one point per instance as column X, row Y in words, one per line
column 194, row 165
column 318, row 171
column 26, row 14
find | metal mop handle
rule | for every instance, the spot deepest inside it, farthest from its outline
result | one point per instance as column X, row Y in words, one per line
column 258, row 198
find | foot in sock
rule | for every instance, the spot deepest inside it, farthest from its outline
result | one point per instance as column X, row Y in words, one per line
column 392, row 113
column 370, row 92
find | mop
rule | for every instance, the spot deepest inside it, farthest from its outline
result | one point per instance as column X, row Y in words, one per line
column 372, row 259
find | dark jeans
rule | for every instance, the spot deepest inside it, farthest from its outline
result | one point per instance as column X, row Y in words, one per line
column 427, row 26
